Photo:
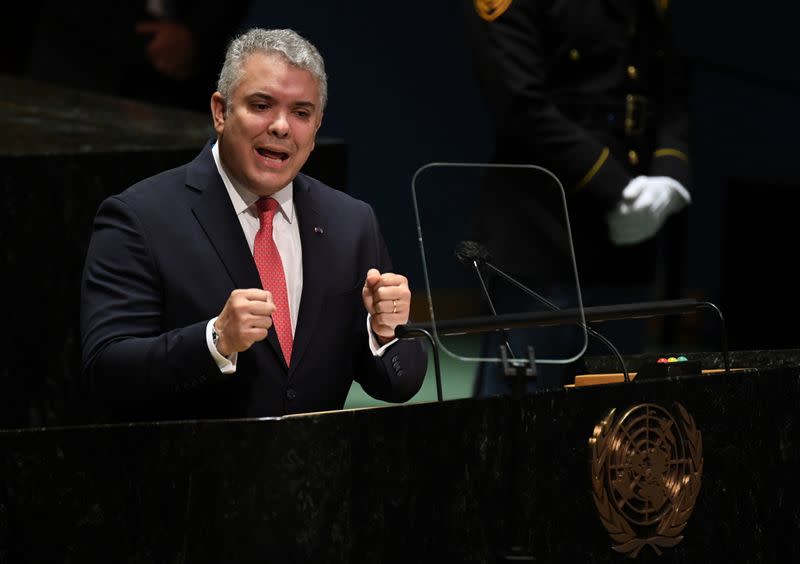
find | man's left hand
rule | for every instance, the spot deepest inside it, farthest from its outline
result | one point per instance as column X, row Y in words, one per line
column 387, row 299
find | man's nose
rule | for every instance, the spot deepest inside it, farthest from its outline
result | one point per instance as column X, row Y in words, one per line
column 279, row 127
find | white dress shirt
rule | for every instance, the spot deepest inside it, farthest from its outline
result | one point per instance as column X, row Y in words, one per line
column 286, row 234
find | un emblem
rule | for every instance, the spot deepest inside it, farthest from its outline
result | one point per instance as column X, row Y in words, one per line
column 646, row 468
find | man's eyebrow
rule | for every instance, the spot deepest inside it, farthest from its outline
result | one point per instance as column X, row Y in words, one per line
column 260, row 96
column 268, row 98
column 304, row 104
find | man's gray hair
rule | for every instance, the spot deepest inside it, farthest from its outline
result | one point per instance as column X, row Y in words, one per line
column 286, row 42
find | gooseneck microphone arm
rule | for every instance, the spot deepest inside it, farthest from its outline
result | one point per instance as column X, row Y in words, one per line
column 472, row 252
column 488, row 297
column 559, row 317
column 436, row 368
column 554, row 307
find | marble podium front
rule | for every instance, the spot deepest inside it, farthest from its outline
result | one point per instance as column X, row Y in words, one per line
column 457, row 481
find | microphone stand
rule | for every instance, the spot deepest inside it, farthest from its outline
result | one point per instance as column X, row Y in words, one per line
column 517, row 372
column 554, row 307
column 436, row 369
column 561, row 316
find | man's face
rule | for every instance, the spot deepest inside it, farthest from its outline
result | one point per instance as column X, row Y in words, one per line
column 269, row 131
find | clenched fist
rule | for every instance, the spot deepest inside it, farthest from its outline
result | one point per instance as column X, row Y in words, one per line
column 387, row 299
column 245, row 319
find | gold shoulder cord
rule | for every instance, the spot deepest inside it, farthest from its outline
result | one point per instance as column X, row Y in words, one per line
column 671, row 153
column 595, row 167
column 490, row 10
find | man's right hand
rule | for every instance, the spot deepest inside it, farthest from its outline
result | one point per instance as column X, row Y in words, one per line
column 245, row 319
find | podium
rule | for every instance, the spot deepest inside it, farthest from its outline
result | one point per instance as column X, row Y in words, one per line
column 454, row 481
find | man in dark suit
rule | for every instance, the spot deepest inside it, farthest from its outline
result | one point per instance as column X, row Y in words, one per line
column 594, row 92
column 180, row 321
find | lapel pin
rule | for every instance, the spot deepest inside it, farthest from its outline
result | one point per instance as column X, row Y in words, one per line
column 318, row 230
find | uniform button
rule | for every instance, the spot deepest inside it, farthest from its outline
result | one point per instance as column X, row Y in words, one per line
column 291, row 394
column 633, row 74
column 574, row 55
column 633, row 157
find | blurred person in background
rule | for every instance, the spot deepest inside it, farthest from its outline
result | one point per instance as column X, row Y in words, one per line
column 593, row 92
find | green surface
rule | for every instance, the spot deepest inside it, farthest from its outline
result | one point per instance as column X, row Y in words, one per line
column 457, row 377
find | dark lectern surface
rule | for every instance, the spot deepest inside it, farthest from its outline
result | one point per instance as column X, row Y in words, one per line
column 415, row 483
column 62, row 152
column 40, row 118
column 46, row 119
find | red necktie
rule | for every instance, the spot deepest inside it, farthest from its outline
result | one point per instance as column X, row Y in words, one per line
column 270, row 269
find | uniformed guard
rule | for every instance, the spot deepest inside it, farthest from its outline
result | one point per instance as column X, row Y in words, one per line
column 592, row 91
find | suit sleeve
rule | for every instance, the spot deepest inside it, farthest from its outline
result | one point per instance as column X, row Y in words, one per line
column 509, row 58
column 126, row 351
column 397, row 375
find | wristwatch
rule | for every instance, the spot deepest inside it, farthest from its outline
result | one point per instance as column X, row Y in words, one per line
column 214, row 337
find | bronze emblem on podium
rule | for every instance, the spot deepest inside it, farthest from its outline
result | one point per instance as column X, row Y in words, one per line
column 646, row 469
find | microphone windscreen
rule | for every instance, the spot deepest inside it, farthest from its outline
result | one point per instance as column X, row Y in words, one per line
column 468, row 252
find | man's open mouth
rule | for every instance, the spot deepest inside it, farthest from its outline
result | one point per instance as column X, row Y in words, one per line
column 270, row 154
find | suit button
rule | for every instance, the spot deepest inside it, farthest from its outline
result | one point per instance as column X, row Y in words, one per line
column 400, row 373
column 395, row 358
column 291, row 394
column 633, row 157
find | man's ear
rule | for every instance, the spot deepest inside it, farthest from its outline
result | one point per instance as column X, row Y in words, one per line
column 218, row 112
column 316, row 130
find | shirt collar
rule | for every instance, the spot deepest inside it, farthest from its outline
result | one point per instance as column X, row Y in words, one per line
column 244, row 200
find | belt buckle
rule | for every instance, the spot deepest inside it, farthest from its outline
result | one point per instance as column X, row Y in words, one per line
column 635, row 114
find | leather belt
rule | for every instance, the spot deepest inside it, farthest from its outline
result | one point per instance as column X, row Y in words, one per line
column 630, row 116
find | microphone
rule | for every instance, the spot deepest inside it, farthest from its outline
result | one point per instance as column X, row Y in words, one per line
column 475, row 255
column 468, row 252
column 471, row 252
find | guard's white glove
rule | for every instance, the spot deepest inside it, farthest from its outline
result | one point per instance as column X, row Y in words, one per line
column 646, row 203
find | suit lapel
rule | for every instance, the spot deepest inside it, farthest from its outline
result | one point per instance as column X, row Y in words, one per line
column 313, row 238
column 214, row 211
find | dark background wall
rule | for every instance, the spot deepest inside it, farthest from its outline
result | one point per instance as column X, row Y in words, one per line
column 746, row 115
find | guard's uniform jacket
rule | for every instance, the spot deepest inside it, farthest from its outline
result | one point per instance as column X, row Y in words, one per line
column 590, row 90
